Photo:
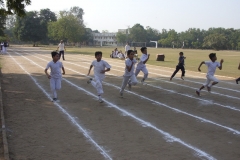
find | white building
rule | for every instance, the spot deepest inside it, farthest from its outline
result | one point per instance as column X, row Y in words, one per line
column 105, row 39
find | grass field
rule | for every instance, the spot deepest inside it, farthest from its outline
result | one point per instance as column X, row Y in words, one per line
column 194, row 57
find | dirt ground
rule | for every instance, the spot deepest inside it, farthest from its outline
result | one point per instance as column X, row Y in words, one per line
column 160, row 120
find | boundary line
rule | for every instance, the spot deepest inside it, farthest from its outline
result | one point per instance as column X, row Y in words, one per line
column 74, row 122
column 167, row 136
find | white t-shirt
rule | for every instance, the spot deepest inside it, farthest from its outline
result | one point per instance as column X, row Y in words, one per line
column 100, row 66
column 61, row 46
column 55, row 69
column 140, row 64
column 212, row 67
column 127, row 47
column 128, row 62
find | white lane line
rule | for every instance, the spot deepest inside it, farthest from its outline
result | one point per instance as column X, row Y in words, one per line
column 167, row 76
column 225, row 95
column 153, row 101
column 167, row 136
column 80, row 128
column 159, row 68
column 171, row 91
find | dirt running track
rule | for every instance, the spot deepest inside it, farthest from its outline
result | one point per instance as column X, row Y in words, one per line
column 162, row 120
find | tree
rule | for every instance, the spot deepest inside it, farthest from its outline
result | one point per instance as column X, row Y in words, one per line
column 88, row 36
column 14, row 7
column 29, row 28
column 67, row 28
column 46, row 16
column 121, row 38
column 215, row 41
column 2, row 24
column 138, row 33
column 78, row 13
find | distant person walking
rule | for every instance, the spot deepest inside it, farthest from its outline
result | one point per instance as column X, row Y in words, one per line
column 4, row 47
column 61, row 48
column 127, row 47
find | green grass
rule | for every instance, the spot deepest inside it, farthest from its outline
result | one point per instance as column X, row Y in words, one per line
column 194, row 57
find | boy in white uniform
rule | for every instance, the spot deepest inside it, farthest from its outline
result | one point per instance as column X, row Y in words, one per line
column 129, row 76
column 55, row 76
column 61, row 48
column 212, row 65
column 100, row 67
column 141, row 64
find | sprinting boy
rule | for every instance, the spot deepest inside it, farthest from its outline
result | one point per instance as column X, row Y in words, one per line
column 212, row 65
column 180, row 66
column 141, row 66
column 129, row 76
column 100, row 67
column 239, row 77
column 55, row 76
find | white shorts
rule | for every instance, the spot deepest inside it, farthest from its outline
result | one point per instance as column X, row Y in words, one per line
column 209, row 79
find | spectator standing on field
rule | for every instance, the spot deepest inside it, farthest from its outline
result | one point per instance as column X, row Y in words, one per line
column 127, row 47
column 61, row 48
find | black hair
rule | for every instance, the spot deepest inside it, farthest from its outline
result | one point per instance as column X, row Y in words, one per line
column 98, row 53
column 54, row 53
column 211, row 55
column 181, row 53
column 143, row 48
column 129, row 51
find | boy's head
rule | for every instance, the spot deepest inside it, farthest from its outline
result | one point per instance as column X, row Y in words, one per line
column 180, row 53
column 130, row 54
column 213, row 56
column 144, row 50
column 55, row 56
column 98, row 55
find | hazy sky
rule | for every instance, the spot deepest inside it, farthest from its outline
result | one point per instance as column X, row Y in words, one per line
column 180, row 15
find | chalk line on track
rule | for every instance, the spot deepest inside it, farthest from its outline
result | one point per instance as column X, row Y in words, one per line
column 169, row 76
column 233, row 97
column 74, row 122
column 156, row 102
column 172, row 91
column 168, row 136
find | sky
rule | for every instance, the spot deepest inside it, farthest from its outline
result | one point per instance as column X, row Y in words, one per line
column 180, row 15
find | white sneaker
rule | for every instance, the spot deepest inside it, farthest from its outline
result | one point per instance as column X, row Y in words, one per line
column 89, row 81
column 100, row 99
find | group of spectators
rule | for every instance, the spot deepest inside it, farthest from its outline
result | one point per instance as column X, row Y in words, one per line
column 4, row 46
column 119, row 54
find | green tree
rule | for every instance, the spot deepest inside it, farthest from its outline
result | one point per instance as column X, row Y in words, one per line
column 29, row 28
column 138, row 33
column 121, row 38
column 215, row 41
column 46, row 16
column 87, row 36
column 67, row 28
column 14, row 7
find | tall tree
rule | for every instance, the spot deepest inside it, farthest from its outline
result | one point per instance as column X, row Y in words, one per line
column 138, row 33
column 67, row 28
column 14, row 7
column 46, row 16
column 215, row 41
column 29, row 28
column 121, row 38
